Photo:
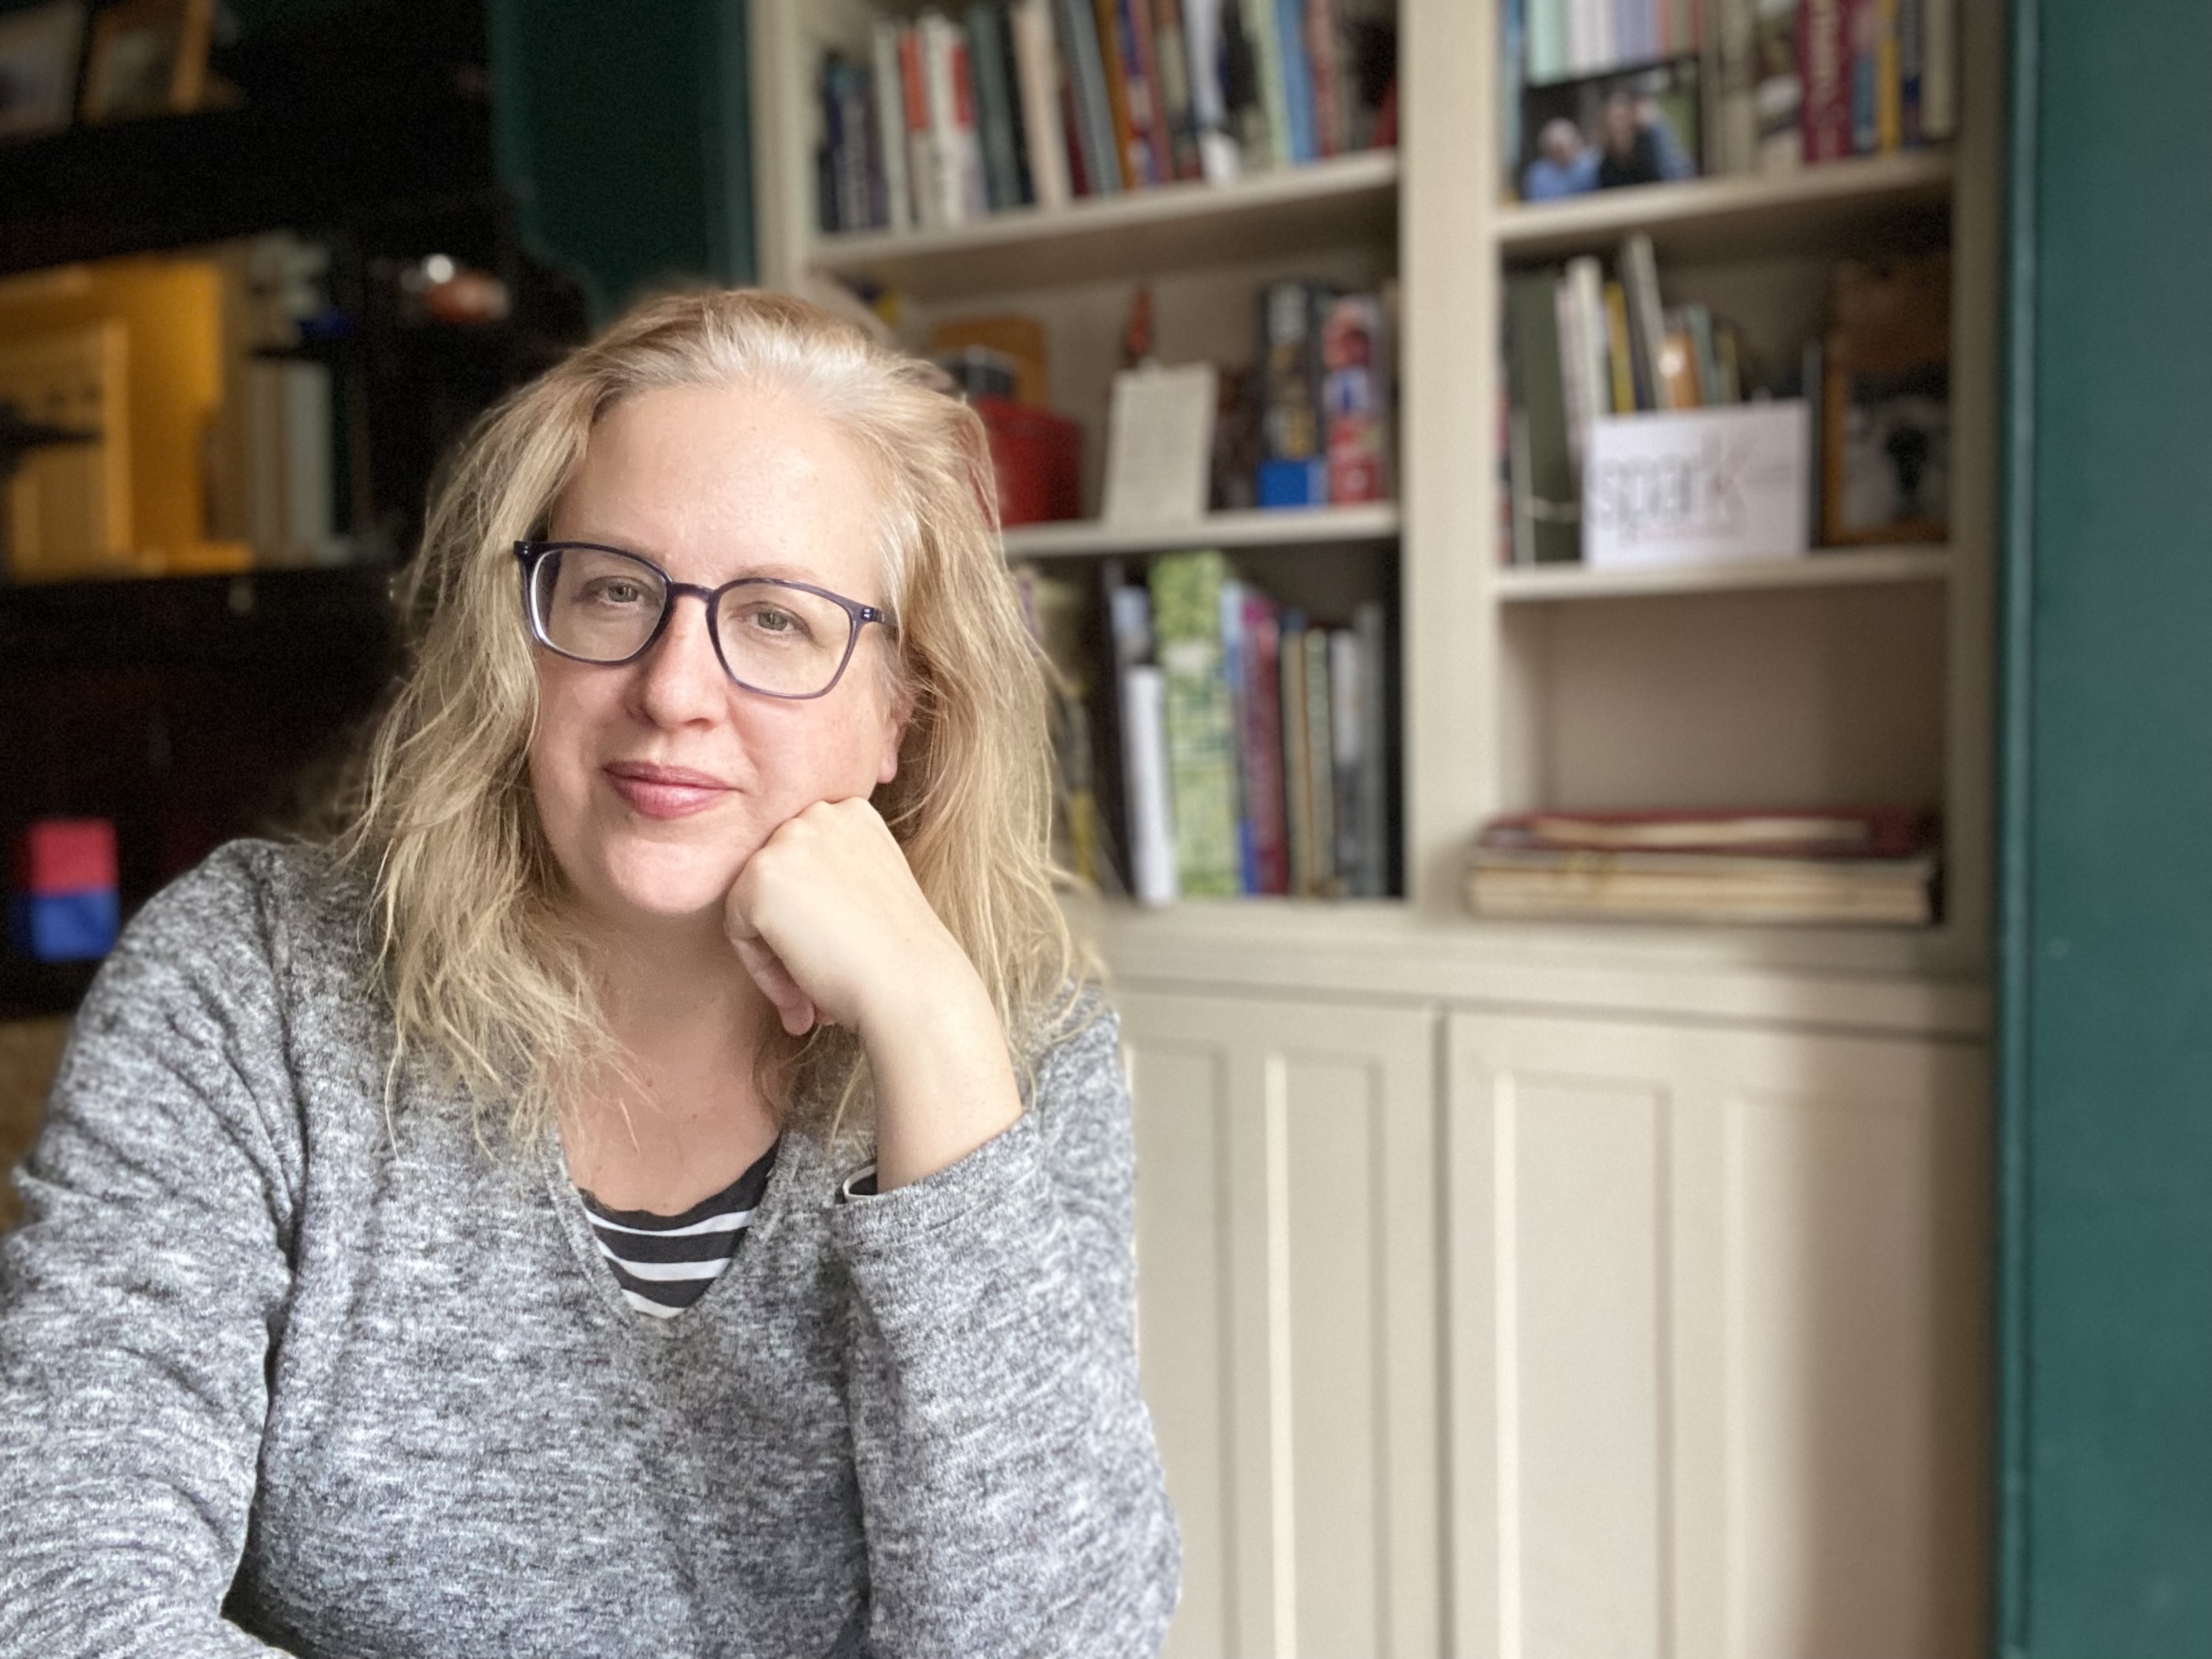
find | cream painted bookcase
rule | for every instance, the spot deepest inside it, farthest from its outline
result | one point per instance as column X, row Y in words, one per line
column 1544, row 1291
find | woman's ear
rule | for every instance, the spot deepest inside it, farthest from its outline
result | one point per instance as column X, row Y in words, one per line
column 895, row 725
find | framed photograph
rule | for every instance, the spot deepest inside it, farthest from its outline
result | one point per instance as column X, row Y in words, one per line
column 148, row 58
column 38, row 51
column 1638, row 126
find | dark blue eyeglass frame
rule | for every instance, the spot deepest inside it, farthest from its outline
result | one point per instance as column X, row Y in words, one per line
column 530, row 554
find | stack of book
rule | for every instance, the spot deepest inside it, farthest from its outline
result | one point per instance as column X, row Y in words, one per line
column 1023, row 103
column 1240, row 747
column 1582, row 343
column 1876, row 865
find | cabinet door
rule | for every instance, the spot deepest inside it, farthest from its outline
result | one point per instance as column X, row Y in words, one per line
column 1717, row 1338
column 1289, row 1310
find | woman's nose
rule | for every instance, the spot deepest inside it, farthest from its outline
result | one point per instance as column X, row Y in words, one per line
column 681, row 678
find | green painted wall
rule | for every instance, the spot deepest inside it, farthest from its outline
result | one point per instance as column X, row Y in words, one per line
column 623, row 135
column 2105, row 1547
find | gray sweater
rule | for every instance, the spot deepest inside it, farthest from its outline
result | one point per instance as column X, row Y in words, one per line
column 274, row 1372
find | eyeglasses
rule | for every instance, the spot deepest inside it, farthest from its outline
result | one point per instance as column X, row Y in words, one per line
column 600, row 604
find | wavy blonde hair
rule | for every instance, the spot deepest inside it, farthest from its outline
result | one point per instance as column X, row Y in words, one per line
column 490, row 985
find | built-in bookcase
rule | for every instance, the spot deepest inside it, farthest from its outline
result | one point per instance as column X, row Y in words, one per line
column 1852, row 675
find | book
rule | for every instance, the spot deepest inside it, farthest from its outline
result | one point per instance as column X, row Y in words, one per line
column 1172, row 65
column 1371, row 877
column 1347, row 732
column 1912, row 38
column 1863, row 25
column 888, row 86
column 1647, row 331
column 1619, row 353
column 1862, row 832
column 1090, row 112
column 1270, row 143
column 1736, row 136
column 1824, row 60
column 1231, row 623
column 994, row 107
column 1290, row 376
column 1129, row 161
column 1888, row 87
column 1147, row 121
column 1261, row 752
column 1037, row 79
column 1320, row 795
column 1584, row 349
column 1778, row 90
column 1219, row 158
column 1356, row 397
column 1201, row 761
column 928, row 203
column 1939, row 70
column 1885, row 414
column 1548, row 503
column 1155, row 876
column 1297, row 81
column 1773, row 891
column 1297, row 754
column 1331, row 107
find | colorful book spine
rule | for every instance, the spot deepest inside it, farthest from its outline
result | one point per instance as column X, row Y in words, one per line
column 1355, row 350
column 1911, row 46
column 1330, row 108
column 1147, row 120
column 1862, row 23
column 1261, row 22
column 1888, row 78
column 1547, row 508
column 1261, row 757
column 1231, row 621
column 1128, row 160
column 1297, row 755
column 1824, row 57
column 1293, row 464
column 1346, row 731
column 1220, row 160
column 1201, row 758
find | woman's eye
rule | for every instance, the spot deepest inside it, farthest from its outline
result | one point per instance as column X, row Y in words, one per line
column 618, row 591
column 776, row 623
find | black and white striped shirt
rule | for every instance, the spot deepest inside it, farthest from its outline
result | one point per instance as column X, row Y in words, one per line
column 664, row 1263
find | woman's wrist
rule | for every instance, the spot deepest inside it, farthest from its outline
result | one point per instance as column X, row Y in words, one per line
column 943, row 1081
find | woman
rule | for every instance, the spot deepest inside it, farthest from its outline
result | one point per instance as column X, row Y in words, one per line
column 462, row 1241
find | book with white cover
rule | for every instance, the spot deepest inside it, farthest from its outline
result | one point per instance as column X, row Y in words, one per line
column 891, row 126
column 1697, row 486
column 1152, row 873
column 1036, row 69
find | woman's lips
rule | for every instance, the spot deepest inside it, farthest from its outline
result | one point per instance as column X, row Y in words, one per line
column 665, row 792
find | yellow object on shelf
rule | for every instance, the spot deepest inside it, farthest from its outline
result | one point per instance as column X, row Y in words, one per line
column 131, row 349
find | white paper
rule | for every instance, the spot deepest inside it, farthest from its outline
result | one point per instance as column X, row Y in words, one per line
column 1697, row 486
column 1159, row 444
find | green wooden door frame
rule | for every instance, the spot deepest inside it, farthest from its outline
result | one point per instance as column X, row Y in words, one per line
column 2104, row 1505
column 624, row 133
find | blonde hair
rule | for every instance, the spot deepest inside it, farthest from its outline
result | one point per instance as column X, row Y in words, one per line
column 489, row 985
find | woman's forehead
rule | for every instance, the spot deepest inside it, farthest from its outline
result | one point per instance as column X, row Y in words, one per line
column 717, row 482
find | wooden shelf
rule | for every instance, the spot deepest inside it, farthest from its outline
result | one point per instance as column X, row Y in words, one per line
column 1734, row 217
column 1310, row 526
column 1824, row 567
column 1350, row 198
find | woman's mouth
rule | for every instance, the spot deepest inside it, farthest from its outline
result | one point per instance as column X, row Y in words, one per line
column 664, row 792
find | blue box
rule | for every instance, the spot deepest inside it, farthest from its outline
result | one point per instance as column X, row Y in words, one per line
column 1293, row 484
column 64, row 926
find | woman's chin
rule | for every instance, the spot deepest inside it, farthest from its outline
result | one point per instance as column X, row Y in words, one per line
column 668, row 890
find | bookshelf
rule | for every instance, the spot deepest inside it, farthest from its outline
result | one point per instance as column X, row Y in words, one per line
column 1709, row 1196
column 1496, row 662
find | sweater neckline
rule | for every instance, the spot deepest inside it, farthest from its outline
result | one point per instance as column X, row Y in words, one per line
column 737, row 1280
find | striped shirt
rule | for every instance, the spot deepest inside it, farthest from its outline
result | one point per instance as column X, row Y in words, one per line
column 664, row 1263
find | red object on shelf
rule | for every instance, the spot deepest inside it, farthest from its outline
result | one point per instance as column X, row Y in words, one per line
column 65, row 855
column 1036, row 459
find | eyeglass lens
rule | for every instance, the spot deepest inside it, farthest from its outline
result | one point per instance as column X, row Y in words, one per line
column 602, row 606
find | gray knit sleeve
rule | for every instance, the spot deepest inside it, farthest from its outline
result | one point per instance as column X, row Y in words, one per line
column 1013, row 1494
column 138, row 1297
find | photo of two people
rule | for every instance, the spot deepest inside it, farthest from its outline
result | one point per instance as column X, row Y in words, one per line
column 1633, row 127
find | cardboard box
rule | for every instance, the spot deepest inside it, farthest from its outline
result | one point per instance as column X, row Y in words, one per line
column 1697, row 486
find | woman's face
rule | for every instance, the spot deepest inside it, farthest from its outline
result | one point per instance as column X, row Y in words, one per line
column 657, row 778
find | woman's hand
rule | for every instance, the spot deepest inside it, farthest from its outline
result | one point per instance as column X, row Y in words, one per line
column 829, row 921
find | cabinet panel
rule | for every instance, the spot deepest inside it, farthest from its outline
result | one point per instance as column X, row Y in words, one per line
column 1288, row 1309
column 1718, row 1340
